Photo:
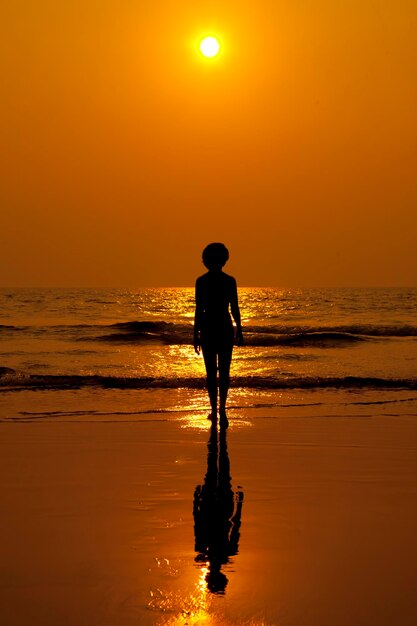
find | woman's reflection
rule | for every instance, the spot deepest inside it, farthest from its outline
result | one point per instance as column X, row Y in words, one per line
column 217, row 513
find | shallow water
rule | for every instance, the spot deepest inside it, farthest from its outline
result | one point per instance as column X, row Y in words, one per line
column 109, row 339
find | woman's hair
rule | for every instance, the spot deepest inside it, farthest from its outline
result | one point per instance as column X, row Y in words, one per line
column 215, row 255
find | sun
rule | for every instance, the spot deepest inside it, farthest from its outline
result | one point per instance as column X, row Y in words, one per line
column 209, row 47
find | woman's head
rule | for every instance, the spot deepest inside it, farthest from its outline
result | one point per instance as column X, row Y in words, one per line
column 215, row 255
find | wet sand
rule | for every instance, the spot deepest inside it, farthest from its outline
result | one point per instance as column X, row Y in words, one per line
column 97, row 522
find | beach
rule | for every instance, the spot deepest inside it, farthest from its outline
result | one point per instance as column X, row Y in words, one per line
column 97, row 520
column 122, row 506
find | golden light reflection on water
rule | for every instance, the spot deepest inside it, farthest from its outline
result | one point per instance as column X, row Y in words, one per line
column 191, row 608
column 195, row 609
column 183, row 361
column 272, row 302
column 217, row 511
column 199, row 421
column 196, row 421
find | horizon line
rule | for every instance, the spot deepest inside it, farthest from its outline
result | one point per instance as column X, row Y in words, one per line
column 3, row 287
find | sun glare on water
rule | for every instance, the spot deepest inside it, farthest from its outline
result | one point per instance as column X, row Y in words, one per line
column 209, row 47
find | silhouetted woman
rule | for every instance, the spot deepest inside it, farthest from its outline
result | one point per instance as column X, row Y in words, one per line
column 215, row 293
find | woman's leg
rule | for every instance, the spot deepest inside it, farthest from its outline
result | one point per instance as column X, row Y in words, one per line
column 210, row 361
column 225, row 358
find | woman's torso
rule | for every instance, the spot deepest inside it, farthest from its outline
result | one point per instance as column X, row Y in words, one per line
column 215, row 292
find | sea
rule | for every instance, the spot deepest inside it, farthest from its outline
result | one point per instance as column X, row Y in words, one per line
column 126, row 354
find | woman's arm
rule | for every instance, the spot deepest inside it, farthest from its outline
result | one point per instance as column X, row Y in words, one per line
column 234, row 308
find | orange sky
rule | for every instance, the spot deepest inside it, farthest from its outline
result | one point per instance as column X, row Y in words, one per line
column 124, row 152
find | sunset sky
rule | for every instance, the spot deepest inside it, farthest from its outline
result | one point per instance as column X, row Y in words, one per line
column 124, row 151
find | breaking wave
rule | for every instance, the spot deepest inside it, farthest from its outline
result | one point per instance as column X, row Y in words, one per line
column 181, row 334
column 13, row 381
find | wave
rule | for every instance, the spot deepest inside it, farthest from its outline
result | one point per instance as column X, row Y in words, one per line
column 184, row 337
column 181, row 333
column 367, row 330
column 6, row 371
column 324, row 339
column 12, row 381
